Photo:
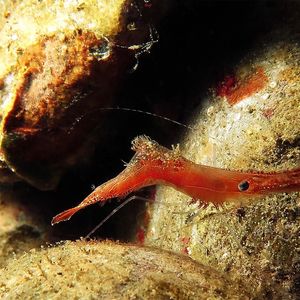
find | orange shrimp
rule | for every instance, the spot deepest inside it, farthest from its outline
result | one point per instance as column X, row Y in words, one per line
column 153, row 164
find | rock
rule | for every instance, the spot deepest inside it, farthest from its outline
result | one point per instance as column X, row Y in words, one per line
column 250, row 122
column 106, row 270
column 60, row 66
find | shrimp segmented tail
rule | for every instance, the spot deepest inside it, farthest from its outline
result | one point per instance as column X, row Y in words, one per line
column 154, row 164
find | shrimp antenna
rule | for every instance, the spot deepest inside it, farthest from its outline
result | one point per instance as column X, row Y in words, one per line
column 149, row 114
column 127, row 109
column 115, row 211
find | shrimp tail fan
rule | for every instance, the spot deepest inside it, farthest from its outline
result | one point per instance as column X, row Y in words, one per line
column 65, row 215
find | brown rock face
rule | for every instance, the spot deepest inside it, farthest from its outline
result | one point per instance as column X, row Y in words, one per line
column 62, row 81
column 56, row 76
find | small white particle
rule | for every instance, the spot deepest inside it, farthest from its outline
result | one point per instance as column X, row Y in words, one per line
column 265, row 96
column 237, row 117
column 210, row 110
column 225, row 255
column 14, row 37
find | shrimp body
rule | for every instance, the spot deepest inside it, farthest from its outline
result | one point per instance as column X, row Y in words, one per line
column 153, row 164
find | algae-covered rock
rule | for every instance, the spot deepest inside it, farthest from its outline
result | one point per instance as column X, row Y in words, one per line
column 250, row 122
column 61, row 62
column 106, row 270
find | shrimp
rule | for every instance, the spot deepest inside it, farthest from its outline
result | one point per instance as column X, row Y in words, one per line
column 154, row 164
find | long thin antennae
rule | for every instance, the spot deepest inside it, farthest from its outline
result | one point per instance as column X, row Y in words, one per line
column 115, row 211
column 147, row 113
column 127, row 109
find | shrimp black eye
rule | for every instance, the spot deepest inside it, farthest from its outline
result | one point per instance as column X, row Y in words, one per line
column 243, row 186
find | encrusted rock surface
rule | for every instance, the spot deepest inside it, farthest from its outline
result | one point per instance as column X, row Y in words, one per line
column 61, row 62
column 250, row 122
column 107, row 270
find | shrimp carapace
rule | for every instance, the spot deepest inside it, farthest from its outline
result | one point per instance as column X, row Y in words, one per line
column 154, row 164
